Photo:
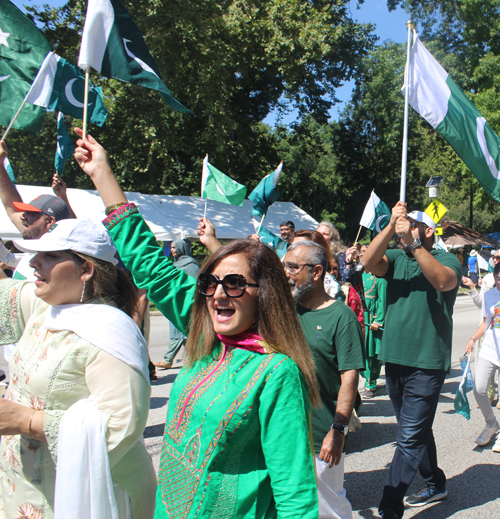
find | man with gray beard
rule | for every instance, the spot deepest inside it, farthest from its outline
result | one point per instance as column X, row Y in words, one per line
column 334, row 337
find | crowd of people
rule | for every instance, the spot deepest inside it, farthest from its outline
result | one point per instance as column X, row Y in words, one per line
column 259, row 417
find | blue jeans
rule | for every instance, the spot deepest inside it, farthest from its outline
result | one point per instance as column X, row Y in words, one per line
column 414, row 394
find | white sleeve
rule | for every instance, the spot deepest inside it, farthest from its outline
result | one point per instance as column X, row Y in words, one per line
column 9, row 258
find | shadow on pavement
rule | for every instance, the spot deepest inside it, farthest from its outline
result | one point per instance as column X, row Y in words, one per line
column 152, row 431
column 475, row 487
column 162, row 380
column 371, row 435
column 156, row 402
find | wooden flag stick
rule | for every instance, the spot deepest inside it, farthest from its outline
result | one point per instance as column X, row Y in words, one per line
column 86, row 101
column 357, row 236
column 13, row 120
column 260, row 224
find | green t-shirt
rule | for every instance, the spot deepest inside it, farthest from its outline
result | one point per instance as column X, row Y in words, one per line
column 418, row 323
column 334, row 337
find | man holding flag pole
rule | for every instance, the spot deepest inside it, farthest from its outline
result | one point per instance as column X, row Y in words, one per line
column 416, row 346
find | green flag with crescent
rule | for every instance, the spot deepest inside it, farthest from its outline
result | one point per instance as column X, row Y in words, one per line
column 113, row 45
column 22, row 50
column 60, row 85
column 376, row 215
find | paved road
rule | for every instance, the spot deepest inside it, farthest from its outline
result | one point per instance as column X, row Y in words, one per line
column 473, row 472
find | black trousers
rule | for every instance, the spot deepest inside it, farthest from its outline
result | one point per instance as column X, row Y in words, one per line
column 414, row 394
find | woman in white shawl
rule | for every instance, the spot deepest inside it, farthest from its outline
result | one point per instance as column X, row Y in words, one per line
column 73, row 415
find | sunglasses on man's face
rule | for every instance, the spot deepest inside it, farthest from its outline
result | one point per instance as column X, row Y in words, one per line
column 234, row 285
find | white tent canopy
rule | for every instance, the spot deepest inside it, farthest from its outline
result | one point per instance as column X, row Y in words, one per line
column 172, row 217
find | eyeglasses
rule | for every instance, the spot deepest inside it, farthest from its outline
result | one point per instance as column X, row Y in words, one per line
column 32, row 216
column 496, row 258
column 293, row 268
column 234, row 285
column 415, row 224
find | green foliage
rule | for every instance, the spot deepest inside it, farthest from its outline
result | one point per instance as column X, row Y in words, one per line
column 231, row 62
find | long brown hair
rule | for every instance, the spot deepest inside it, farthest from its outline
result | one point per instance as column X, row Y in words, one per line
column 276, row 322
column 318, row 238
column 108, row 282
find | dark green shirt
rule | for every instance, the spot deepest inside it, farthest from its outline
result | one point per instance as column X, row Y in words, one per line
column 418, row 323
column 334, row 337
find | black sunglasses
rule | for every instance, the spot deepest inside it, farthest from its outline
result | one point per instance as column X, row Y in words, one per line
column 234, row 285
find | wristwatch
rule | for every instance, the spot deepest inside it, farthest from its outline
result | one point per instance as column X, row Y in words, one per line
column 415, row 245
column 344, row 429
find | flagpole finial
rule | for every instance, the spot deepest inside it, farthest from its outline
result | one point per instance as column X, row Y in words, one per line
column 409, row 24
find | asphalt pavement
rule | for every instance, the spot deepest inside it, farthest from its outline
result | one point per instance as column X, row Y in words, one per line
column 473, row 472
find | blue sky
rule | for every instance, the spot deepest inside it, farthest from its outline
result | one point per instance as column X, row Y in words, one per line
column 389, row 26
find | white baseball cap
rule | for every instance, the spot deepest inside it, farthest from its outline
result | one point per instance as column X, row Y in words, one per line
column 420, row 216
column 84, row 236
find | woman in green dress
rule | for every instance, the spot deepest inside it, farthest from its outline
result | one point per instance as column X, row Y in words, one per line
column 237, row 433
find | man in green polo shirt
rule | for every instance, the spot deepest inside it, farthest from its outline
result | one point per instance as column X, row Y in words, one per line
column 416, row 349
column 334, row 336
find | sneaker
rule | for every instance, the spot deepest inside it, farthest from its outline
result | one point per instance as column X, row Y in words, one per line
column 487, row 434
column 425, row 496
column 389, row 514
column 496, row 447
column 369, row 393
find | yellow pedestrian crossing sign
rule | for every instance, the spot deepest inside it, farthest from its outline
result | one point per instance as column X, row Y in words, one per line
column 436, row 210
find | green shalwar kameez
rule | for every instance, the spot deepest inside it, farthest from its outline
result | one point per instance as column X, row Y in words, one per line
column 375, row 298
column 237, row 434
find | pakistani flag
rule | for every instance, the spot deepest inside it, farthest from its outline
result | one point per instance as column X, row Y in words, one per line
column 8, row 168
column 437, row 98
column 270, row 239
column 265, row 194
column 376, row 215
column 60, row 85
column 22, row 50
column 113, row 45
column 461, row 401
column 217, row 186
column 65, row 147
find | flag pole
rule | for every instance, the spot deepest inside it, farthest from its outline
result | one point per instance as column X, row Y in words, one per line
column 86, row 101
column 402, row 195
column 260, row 224
column 13, row 120
column 357, row 236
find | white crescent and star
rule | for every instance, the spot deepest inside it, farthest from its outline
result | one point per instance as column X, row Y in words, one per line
column 377, row 224
column 59, row 147
column 220, row 190
column 3, row 38
column 143, row 65
column 69, row 94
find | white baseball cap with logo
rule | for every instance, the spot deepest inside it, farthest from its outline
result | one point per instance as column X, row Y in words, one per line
column 420, row 216
column 84, row 236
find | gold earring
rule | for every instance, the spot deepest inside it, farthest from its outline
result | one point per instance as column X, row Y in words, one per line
column 83, row 291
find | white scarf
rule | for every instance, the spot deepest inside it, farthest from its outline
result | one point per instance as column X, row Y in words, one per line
column 84, row 488
column 106, row 327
